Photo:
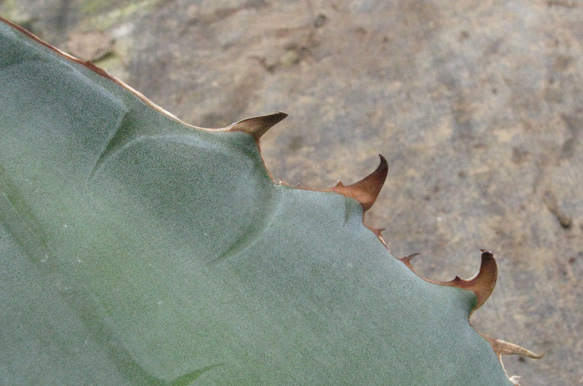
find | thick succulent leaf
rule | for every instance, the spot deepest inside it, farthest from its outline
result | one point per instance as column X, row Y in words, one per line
column 136, row 249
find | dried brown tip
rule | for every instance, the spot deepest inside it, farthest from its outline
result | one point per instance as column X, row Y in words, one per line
column 506, row 348
column 257, row 126
column 366, row 190
column 483, row 283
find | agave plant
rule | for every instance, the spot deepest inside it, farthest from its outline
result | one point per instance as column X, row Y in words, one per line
column 136, row 249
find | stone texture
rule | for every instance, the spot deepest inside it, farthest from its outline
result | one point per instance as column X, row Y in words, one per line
column 477, row 105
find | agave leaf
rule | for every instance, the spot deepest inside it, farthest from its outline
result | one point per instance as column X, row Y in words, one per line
column 136, row 249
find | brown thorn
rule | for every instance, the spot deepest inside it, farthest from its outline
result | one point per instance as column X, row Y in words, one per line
column 409, row 257
column 379, row 233
column 502, row 347
column 257, row 126
column 407, row 260
column 366, row 190
column 483, row 283
column 514, row 379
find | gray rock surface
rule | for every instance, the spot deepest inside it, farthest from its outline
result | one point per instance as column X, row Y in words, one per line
column 477, row 105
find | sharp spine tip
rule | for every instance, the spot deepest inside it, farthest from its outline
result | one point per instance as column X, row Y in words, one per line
column 484, row 282
column 407, row 260
column 366, row 190
column 378, row 233
column 257, row 126
column 410, row 257
column 502, row 347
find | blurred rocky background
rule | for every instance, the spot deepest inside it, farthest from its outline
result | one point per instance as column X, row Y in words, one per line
column 477, row 105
